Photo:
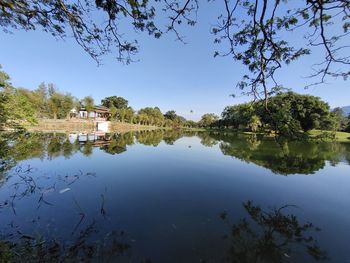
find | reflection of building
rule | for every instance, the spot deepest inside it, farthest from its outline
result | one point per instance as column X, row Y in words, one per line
column 96, row 138
column 99, row 113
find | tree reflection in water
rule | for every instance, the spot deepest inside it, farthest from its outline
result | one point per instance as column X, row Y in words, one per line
column 294, row 157
column 284, row 157
column 84, row 247
column 263, row 236
column 86, row 243
column 270, row 236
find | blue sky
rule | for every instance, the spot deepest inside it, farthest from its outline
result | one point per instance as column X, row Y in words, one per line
column 169, row 75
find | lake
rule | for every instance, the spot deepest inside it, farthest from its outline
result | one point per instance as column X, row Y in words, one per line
column 173, row 196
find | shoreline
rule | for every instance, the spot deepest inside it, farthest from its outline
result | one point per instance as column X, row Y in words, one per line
column 87, row 126
column 78, row 125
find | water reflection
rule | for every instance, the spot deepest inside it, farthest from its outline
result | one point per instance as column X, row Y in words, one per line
column 273, row 235
column 117, row 211
column 86, row 246
column 280, row 157
column 39, row 241
column 296, row 157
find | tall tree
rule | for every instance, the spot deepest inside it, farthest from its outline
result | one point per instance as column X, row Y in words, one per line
column 89, row 104
column 170, row 115
column 4, row 96
column 343, row 121
column 67, row 105
column 289, row 114
column 40, row 98
column 54, row 104
column 118, row 102
column 208, row 119
column 15, row 107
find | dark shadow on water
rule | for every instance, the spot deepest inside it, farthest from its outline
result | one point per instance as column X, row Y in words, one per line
column 274, row 235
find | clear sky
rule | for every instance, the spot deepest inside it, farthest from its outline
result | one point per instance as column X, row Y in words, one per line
column 169, row 75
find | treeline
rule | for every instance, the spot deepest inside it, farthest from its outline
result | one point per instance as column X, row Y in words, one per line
column 23, row 105
column 289, row 114
column 121, row 111
column 18, row 105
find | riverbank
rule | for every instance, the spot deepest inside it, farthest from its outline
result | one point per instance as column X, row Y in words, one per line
column 88, row 126
column 313, row 134
column 80, row 125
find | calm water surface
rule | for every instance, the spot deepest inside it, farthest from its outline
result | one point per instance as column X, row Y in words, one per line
column 173, row 196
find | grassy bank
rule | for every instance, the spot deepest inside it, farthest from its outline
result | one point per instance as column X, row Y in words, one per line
column 125, row 127
column 51, row 125
column 339, row 136
column 79, row 125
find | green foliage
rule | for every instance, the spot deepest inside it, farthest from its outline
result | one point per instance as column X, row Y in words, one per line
column 15, row 107
column 343, row 123
column 190, row 124
column 170, row 115
column 60, row 104
column 208, row 120
column 118, row 102
column 255, row 33
column 288, row 114
column 176, row 121
column 238, row 116
column 291, row 112
column 125, row 114
column 151, row 116
column 96, row 36
column 88, row 103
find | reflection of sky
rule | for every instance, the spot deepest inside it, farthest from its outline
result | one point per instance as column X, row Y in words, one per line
column 169, row 197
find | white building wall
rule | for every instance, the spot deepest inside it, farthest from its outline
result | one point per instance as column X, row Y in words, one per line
column 103, row 126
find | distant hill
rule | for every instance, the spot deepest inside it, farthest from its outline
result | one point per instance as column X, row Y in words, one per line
column 346, row 110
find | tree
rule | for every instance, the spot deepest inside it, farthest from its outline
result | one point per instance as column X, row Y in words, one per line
column 76, row 104
column 151, row 116
column 291, row 112
column 191, row 124
column 208, row 119
column 129, row 114
column 347, row 129
column 123, row 114
column 239, row 116
column 54, row 104
column 4, row 96
column 114, row 112
column 170, row 115
column 67, row 105
column 88, row 103
column 15, row 108
column 40, row 99
column 254, row 30
column 118, row 102
column 343, row 122
column 60, row 104
column 254, row 123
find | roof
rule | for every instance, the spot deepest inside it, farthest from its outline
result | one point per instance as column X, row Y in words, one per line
column 101, row 108
column 98, row 109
